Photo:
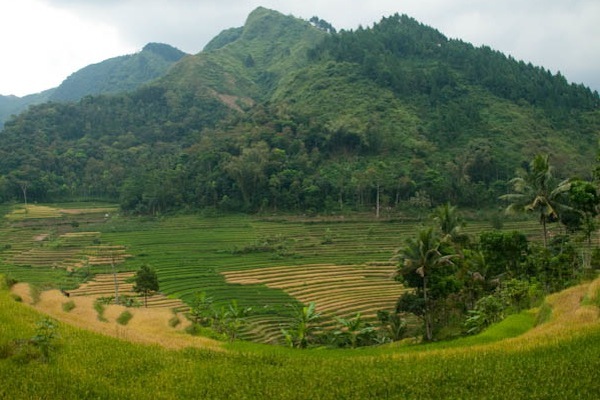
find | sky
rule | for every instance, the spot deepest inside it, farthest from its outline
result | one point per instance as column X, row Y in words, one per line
column 42, row 42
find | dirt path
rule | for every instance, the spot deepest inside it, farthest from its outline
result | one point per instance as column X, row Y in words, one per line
column 148, row 325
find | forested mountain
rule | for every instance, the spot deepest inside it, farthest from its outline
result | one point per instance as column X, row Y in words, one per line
column 118, row 74
column 286, row 114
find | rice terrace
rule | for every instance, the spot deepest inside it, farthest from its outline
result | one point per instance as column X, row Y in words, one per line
column 273, row 265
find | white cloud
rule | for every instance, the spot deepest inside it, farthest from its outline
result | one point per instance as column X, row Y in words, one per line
column 64, row 35
column 41, row 45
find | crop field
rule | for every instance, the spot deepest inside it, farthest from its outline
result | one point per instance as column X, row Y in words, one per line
column 343, row 264
column 103, row 285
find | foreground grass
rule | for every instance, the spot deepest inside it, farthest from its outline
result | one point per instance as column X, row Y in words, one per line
column 87, row 365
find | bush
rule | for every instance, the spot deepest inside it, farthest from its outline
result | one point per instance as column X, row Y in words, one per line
column 68, row 306
column 44, row 337
column 174, row 321
column 124, row 318
column 7, row 282
column 35, row 294
column 488, row 310
column 99, row 307
column 198, row 330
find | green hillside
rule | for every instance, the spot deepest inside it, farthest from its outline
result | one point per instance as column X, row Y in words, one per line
column 281, row 114
column 119, row 74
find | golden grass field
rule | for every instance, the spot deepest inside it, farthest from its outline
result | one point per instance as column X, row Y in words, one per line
column 148, row 325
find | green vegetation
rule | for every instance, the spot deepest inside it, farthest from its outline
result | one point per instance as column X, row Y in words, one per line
column 68, row 306
column 124, row 317
column 335, row 147
column 146, row 282
column 100, row 308
column 281, row 114
column 77, row 368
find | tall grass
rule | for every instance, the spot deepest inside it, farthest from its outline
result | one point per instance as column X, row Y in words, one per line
column 92, row 366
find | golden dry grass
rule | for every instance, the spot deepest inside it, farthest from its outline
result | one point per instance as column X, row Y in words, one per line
column 33, row 211
column 148, row 325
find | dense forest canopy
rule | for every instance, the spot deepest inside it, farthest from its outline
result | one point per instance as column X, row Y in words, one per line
column 282, row 114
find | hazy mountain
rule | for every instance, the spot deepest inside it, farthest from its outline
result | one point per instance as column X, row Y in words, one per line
column 12, row 105
column 118, row 74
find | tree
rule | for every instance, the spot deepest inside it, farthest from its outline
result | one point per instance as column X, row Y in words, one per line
column 248, row 170
column 421, row 266
column 202, row 309
column 146, row 282
column 302, row 327
column 583, row 199
column 450, row 223
column 393, row 326
column 535, row 190
column 504, row 252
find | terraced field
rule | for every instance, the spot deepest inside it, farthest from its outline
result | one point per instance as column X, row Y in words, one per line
column 103, row 285
column 68, row 251
column 267, row 263
column 338, row 290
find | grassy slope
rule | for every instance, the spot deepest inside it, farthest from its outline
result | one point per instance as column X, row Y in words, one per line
column 86, row 365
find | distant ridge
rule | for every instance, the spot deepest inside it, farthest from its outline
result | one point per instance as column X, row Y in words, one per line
column 119, row 74
column 115, row 75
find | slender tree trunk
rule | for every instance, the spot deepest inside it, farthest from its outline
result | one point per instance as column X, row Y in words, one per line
column 24, row 189
column 114, row 271
column 377, row 207
column 545, row 232
column 427, row 312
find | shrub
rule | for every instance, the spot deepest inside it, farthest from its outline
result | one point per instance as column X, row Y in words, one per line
column 99, row 307
column 8, row 282
column 198, row 330
column 124, row 318
column 543, row 314
column 488, row 310
column 174, row 321
column 45, row 337
column 35, row 294
column 68, row 306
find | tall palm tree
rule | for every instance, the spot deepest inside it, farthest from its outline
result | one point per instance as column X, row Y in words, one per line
column 419, row 259
column 535, row 189
column 450, row 222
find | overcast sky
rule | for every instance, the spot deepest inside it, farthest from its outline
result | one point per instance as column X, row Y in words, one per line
column 44, row 41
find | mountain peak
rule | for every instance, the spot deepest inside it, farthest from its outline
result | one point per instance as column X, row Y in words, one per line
column 167, row 52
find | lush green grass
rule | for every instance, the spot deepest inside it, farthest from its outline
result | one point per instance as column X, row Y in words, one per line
column 86, row 365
